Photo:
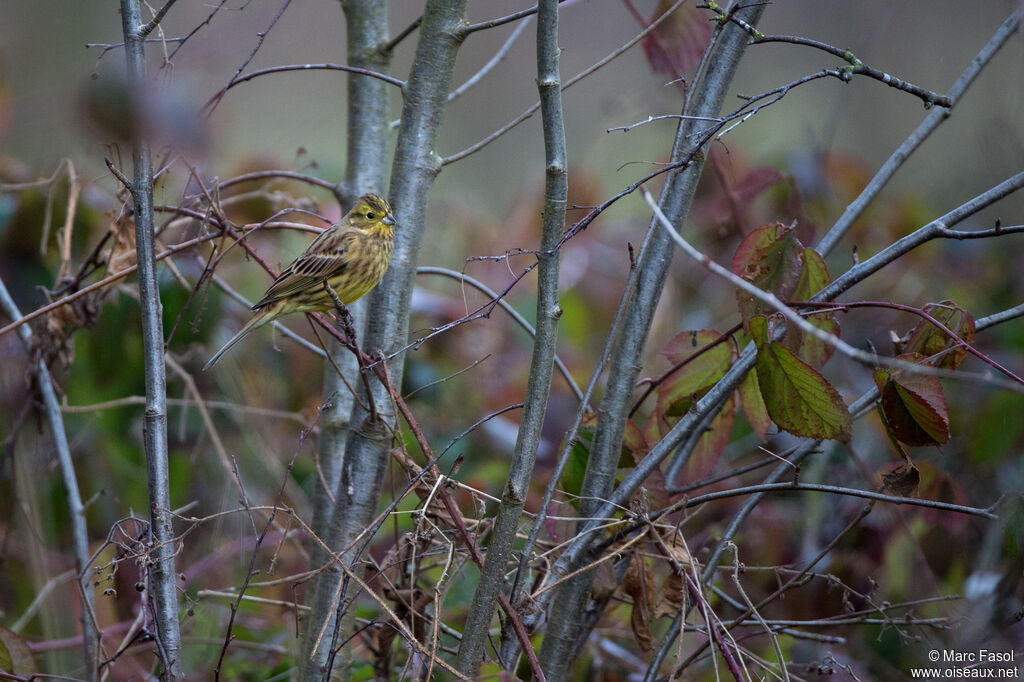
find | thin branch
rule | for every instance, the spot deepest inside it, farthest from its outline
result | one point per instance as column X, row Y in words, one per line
column 199, row 26
column 262, row 35
column 936, row 228
column 494, row 61
column 569, row 83
column 290, row 175
column 794, row 318
column 857, row 67
column 664, row 117
column 934, row 119
column 76, row 510
column 310, row 67
column 501, row 21
column 132, row 400
column 986, row 513
column 155, row 21
column 508, row 308
column 999, row 318
column 960, row 343
column 389, row 46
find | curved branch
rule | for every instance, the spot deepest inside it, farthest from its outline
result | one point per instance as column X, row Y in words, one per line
column 507, row 307
column 920, row 134
column 313, row 67
column 857, row 67
column 985, row 513
column 458, row 156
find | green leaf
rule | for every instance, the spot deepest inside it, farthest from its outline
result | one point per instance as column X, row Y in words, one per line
column 914, row 405
column 710, row 445
column 769, row 258
column 15, row 656
column 634, row 445
column 759, row 330
column 706, row 355
column 576, row 467
column 813, row 278
column 753, row 406
column 798, row 398
column 929, row 340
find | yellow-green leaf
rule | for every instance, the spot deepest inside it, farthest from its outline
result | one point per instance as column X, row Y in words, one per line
column 930, row 341
column 798, row 398
column 753, row 406
column 705, row 356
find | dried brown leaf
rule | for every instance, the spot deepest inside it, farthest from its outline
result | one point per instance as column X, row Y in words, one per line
column 122, row 253
column 637, row 584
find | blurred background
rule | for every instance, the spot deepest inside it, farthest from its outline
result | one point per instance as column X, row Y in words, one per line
column 803, row 159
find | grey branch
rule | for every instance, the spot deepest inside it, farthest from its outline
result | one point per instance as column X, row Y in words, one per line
column 503, row 535
column 79, row 530
column 161, row 574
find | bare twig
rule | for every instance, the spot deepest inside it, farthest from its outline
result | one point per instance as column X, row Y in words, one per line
column 504, row 305
column 157, row 18
column 857, row 67
column 856, row 208
column 79, row 531
column 262, row 35
column 569, row 83
column 314, row 67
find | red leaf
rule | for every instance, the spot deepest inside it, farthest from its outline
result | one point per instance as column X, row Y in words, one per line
column 676, row 45
column 769, row 258
column 929, row 340
column 914, row 405
column 710, row 446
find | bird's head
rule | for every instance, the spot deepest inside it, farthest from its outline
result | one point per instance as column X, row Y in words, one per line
column 370, row 211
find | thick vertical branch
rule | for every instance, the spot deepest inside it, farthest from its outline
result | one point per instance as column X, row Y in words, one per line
column 366, row 30
column 79, row 530
column 161, row 533
column 415, row 166
column 710, row 87
column 538, row 385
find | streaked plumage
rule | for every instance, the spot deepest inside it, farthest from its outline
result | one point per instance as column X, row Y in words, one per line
column 352, row 255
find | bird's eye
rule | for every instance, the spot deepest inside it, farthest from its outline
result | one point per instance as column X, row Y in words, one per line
column 371, row 216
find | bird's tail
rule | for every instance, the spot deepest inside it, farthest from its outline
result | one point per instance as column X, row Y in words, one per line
column 258, row 320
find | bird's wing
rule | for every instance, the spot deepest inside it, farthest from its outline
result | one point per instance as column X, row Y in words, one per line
column 327, row 256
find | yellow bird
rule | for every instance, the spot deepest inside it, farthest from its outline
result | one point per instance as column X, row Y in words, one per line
column 351, row 256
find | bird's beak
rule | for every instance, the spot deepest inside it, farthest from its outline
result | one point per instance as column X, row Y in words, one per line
column 388, row 219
